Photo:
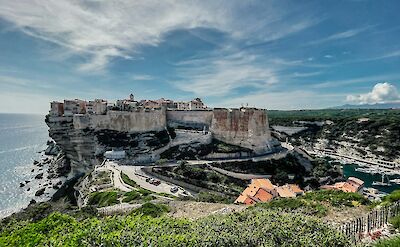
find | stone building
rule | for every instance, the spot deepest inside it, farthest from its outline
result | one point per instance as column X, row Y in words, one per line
column 98, row 106
column 75, row 106
column 56, row 108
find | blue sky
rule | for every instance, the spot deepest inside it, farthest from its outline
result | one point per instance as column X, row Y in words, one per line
column 271, row 54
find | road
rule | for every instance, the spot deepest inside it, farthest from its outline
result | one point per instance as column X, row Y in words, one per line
column 244, row 176
column 136, row 174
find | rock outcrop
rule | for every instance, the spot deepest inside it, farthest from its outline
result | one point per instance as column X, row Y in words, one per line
column 144, row 134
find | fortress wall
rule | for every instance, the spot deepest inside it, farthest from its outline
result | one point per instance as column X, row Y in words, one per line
column 245, row 127
column 136, row 121
column 189, row 119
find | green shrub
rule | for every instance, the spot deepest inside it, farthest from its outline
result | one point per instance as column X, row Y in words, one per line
column 392, row 197
column 395, row 221
column 144, row 192
column 296, row 204
column 127, row 180
column 131, row 195
column 261, row 227
column 153, row 210
column 391, row 242
column 213, row 197
column 336, row 197
column 103, row 199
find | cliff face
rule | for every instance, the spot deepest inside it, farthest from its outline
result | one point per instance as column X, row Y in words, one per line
column 84, row 143
column 245, row 127
column 143, row 134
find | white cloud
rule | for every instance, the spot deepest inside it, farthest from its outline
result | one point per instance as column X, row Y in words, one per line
column 328, row 56
column 381, row 93
column 342, row 35
column 142, row 77
column 222, row 74
column 103, row 30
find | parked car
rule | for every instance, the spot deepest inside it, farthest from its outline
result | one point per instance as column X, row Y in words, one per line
column 174, row 189
column 148, row 180
column 156, row 182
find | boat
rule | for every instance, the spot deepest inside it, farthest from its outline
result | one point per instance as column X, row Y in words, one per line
column 395, row 181
column 381, row 183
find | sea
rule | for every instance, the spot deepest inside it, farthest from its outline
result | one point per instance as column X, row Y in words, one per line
column 22, row 138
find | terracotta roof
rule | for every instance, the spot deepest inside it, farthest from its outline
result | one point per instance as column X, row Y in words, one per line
column 285, row 191
column 262, row 183
column 263, row 196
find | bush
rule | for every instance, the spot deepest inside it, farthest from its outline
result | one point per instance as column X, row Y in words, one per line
column 130, row 196
column 391, row 242
column 153, row 210
column 248, row 228
column 395, row 221
column 213, row 197
column 127, row 180
column 392, row 197
column 103, row 199
column 336, row 197
column 296, row 204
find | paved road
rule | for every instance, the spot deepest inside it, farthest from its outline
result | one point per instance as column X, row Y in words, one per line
column 244, row 176
column 136, row 174
column 117, row 177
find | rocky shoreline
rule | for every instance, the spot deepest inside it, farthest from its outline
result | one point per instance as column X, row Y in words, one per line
column 49, row 174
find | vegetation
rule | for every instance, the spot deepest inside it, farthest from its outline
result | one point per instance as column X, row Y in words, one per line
column 153, row 210
column 381, row 129
column 213, row 197
column 392, row 197
column 128, row 181
column 248, row 228
column 299, row 205
column 131, row 195
column 103, row 199
column 203, row 177
column 391, row 242
column 336, row 198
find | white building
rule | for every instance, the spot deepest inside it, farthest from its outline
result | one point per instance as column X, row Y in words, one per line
column 115, row 155
column 98, row 106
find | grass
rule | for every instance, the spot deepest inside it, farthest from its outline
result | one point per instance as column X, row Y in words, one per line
column 128, row 181
column 103, row 199
column 153, row 210
column 391, row 242
column 296, row 205
column 336, row 198
column 131, row 196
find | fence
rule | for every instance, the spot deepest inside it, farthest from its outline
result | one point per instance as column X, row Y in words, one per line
column 375, row 220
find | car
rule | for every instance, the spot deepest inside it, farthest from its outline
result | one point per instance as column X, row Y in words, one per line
column 174, row 189
column 156, row 182
column 148, row 180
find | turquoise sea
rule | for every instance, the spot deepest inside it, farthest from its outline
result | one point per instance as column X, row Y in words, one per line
column 22, row 136
column 349, row 171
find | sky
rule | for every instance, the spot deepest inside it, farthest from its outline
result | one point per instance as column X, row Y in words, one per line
column 268, row 54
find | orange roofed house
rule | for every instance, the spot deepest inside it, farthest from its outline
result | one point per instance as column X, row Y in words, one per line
column 351, row 185
column 262, row 190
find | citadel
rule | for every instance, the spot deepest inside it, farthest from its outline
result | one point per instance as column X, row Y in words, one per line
column 148, row 130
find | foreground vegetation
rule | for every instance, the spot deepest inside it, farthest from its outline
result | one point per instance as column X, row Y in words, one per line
column 253, row 227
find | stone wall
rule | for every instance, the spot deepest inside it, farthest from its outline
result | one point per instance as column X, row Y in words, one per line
column 189, row 119
column 124, row 121
column 245, row 127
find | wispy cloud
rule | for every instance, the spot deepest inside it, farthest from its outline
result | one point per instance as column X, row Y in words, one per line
column 220, row 75
column 341, row 35
column 142, row 77
column 103, row 30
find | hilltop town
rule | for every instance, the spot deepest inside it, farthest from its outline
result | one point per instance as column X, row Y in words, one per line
column 149, row 129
